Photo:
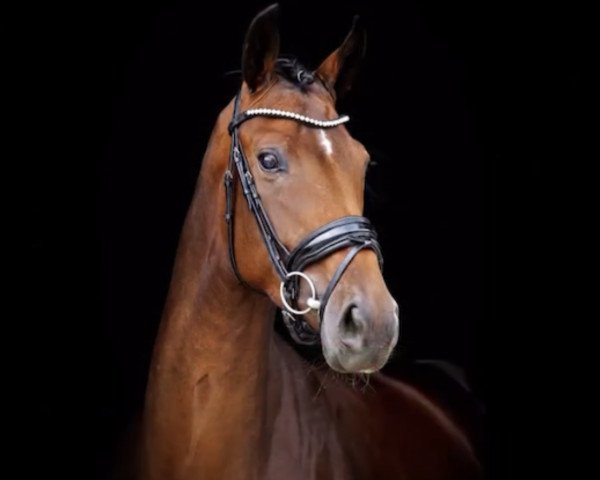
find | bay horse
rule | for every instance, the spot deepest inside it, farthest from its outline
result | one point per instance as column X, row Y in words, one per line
column 276, row 223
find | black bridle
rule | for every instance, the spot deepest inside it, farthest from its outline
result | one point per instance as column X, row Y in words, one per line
column 353, row 231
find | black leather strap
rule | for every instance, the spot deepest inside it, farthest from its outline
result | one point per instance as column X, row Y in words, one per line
column 331, row 237
column 239, row 164
column 339, row 272
column 299, row 329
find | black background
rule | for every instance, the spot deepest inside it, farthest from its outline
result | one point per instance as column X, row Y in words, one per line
column 450, row 103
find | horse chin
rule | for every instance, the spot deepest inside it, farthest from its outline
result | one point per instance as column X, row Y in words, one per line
column 342, row 361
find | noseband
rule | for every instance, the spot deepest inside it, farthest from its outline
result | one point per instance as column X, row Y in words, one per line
column 352, row 232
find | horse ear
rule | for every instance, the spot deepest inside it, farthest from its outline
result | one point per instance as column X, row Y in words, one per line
column 261, row 48
column 339, row 69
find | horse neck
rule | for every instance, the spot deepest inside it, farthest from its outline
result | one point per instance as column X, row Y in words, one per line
column 207, row 383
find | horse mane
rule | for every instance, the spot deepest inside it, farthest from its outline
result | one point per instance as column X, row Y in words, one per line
column 289, row 68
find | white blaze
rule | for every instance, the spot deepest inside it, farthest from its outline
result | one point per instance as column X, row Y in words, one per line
column 325, row 142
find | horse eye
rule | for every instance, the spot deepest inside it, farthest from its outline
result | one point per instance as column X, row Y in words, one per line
column 268, row 161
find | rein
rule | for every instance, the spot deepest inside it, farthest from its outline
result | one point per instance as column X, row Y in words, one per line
column 350, row 231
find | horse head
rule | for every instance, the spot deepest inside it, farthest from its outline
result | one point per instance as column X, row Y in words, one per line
column 294, row 185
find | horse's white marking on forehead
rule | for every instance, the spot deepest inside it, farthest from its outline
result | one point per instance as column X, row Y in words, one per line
column 325, row 142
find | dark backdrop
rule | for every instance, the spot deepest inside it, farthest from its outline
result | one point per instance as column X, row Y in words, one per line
column 130, row 94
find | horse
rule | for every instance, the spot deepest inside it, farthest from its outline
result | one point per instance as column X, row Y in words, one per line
column 276, row 223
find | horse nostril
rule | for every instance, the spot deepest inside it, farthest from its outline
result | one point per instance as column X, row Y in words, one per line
column 353, row 324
